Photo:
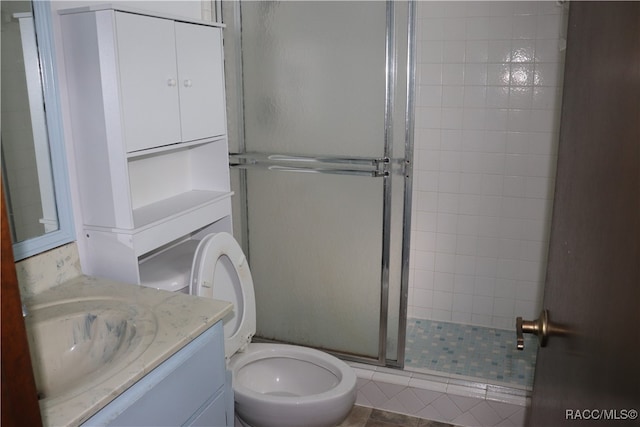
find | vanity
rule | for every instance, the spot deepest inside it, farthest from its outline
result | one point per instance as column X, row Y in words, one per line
column 107, row 353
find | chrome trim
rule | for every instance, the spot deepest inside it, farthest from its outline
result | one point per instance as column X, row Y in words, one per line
column 408, row 181
column 363, row 166
column 390, row 87
column 328, row 171
column 236, row 30
column 288, row 158
column 218, row 10
column 349, row 357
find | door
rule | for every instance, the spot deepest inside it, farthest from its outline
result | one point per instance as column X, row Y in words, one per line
column 200, row 76
column 148, row 80
column 19, row 395
column 323, row 169
column 593, row 273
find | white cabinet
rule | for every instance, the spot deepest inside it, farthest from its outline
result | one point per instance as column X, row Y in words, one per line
column 171, row 80
column 191, row 388
column 147, row 109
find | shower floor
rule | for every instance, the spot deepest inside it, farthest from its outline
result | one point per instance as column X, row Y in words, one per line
column 473, row 351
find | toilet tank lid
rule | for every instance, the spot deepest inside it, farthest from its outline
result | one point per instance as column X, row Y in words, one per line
column 169, row 270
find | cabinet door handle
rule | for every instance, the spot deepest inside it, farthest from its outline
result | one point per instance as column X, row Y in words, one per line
column 188, row 83
column 172, row 82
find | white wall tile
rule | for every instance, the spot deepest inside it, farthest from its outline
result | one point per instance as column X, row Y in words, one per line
column 453, row 28
column 477, row 51
column 445, row 263
column 499, row 51
column 430, row 74
column 550, row 26
column 482, row 305
column 446, row 243
column 443, row 281
column 451, row 118
column 524, row 26
column 504, row 307
column 430, row 52
column 453, row 96
column 429, row 96
column 487, row 115
column 484, row 285
column 464, row 284
column 486, row 268
column 500, row 27
column 548, row 50
column 422, row 298
column 423, row 279
column 441, row 315
column 478, row 28
column 454, row 51
column 475, row 74
column 452, row 74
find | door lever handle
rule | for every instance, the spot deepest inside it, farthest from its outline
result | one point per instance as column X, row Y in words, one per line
column 539, row 327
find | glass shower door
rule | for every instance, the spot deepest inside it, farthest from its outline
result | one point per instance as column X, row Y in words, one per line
column 316, row 146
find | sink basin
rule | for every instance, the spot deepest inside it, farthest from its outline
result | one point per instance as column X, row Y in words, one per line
column 77, row 344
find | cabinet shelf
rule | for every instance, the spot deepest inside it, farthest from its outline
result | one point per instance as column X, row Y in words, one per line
column 168, row 209
column 172, row 147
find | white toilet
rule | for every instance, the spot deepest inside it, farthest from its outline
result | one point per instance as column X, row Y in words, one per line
column 275, row 385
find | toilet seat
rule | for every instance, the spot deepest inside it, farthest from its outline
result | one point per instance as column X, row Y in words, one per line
column 218, row 256
column 310, row 387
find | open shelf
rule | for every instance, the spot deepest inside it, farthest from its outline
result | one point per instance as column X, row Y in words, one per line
column 172, row 147
column 167, row 209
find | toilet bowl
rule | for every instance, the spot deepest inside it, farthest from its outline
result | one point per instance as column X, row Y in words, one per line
column 291, row 386
column 275, row 385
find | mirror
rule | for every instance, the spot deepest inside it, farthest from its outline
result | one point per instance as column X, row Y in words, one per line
column 32, row 149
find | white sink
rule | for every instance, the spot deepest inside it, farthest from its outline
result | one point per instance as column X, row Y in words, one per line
column 77, row 344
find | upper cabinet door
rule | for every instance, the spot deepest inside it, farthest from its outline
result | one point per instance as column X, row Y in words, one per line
column 200, row 74
column 148, row 81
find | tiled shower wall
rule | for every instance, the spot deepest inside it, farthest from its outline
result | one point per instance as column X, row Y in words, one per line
column 488, row 96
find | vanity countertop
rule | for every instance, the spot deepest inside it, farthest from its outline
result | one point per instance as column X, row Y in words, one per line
column 180, row 318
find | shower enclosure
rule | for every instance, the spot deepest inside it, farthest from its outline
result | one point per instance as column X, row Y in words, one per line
column 488, row 94
column 322, row 160
column 334, row 200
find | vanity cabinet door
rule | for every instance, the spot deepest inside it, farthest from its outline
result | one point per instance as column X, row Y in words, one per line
column 148, row 81
column 189, row 388
column 201, row 81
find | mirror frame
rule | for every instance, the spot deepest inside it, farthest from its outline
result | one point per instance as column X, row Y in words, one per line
column 46, row 52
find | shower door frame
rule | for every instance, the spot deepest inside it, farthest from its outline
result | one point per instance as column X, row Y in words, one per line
column 383, row 167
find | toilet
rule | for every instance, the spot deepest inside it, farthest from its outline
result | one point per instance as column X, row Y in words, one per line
column 275, row 385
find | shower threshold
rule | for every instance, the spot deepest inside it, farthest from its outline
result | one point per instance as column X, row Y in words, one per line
column 469, row 352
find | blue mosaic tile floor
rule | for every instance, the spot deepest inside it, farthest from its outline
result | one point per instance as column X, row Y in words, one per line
column 472, row 351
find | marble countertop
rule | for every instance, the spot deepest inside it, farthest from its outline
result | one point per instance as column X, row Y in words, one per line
column 179, row 319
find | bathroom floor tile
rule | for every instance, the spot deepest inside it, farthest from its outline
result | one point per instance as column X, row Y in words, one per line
column 361, row 416
column 393, row 418
column 357, row 417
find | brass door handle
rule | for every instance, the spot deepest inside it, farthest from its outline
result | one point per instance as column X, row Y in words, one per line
column 539, row 327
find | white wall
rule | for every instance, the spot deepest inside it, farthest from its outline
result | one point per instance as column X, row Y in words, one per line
column 488, row 89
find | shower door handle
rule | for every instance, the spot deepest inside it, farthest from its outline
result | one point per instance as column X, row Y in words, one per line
column 541, row 327
column 362, row 166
